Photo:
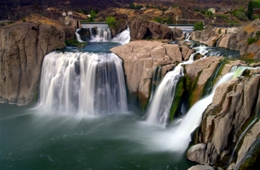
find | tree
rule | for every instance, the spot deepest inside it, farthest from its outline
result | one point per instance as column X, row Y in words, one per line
column 250, row 9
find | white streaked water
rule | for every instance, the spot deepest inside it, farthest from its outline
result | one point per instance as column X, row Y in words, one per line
column 102, row 35
column 160, row 104
column 158, row 111
column 85, row 83
column 78, row 36
column 181, row 132
column 123, row 37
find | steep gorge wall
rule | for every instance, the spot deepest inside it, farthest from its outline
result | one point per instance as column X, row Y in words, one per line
column 22, row 48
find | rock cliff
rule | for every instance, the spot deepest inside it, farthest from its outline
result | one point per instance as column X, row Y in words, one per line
column 144, row 29
column 140, row 58
column 22, row 48
column 230, row 124
column 244, row 39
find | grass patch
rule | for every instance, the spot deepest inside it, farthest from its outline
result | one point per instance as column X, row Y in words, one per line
column 75, row 43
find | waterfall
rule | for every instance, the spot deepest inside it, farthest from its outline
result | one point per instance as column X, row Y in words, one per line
column 102, row 35
column 181, row 132
column 161, row 101
column 123, row 37
column 86, row 83
column 187, row 35
column 158, row 111
column 78, row 36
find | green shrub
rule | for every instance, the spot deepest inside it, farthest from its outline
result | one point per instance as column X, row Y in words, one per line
column 257, row 33
column 240, row 15
column 251, row 40
column 198, row 26
column 111, row 21
column 74, row 42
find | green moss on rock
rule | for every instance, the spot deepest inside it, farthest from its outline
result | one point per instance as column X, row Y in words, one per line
column 176, row 104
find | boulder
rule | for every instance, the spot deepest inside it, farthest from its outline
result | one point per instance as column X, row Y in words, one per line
column 202, row 154
column 140, row 58
column 207, row 36
column 143, row 29
column 186, row 52
column 22, row 48
column 201, row 167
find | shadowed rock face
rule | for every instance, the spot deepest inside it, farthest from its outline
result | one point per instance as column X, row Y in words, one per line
column 22, row 48
column 143, row 29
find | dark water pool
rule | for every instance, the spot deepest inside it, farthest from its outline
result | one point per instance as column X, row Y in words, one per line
column 32, row 139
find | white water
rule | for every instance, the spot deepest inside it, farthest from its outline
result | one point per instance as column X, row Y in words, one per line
column 158, row 111
column 160, row 104
column 123, row 37
column 78, row 36
column 176, row 137
column 192, row 119
column 104, row 35
column 86, row 83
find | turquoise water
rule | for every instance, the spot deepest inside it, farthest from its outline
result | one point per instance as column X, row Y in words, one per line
column 32, row 139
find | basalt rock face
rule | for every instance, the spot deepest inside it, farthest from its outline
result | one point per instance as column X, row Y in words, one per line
column 230, row 125
column 22, row 48
column 140, row 58
column 143, row 29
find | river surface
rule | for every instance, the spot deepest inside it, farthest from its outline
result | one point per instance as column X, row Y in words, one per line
column 33, row 139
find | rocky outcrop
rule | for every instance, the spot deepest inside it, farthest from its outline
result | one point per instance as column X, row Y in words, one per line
column 226, row 123
column 199, row 73
column 201, row 167
column 140, row 59
column 143, row 29
column 207, row 36
column 244, row 39
column 22, row 48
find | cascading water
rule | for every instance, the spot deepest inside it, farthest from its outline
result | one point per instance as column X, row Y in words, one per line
column 123, row 37
column 88, row 83
column 104, row 35
column 160, row 103
column 181, row 132
column 78, row 36
column 158, row 111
